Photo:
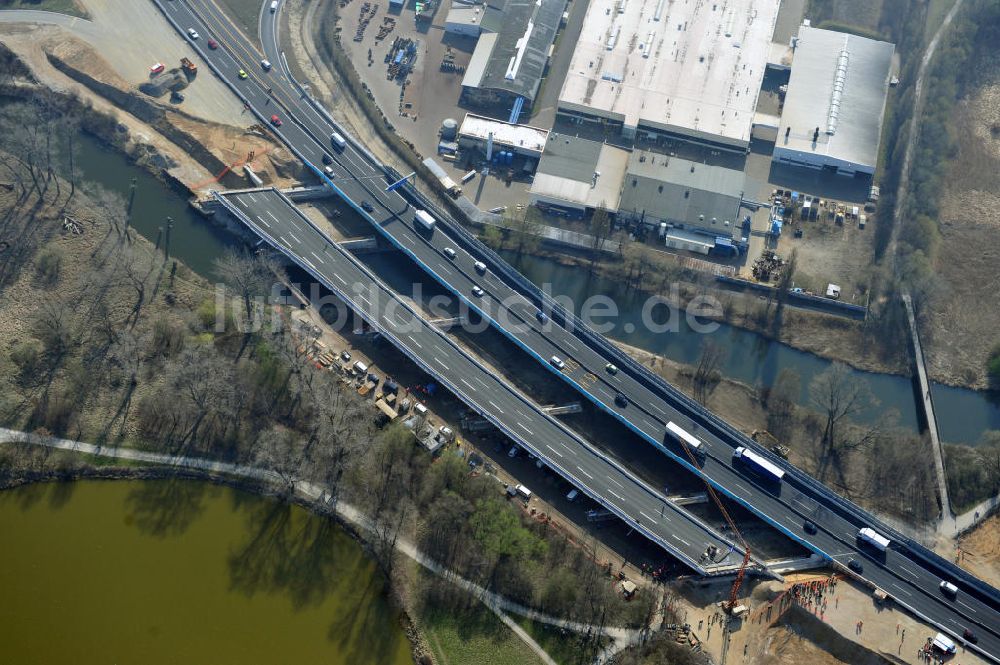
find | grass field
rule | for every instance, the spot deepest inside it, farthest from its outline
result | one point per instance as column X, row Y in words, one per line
column 475, row 635
column 245, row 14
column 61, row 6
column 565, row 649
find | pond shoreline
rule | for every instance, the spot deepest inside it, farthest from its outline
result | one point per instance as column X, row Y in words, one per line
column 395, row 595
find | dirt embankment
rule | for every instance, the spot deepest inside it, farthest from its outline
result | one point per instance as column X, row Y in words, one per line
column 799, row 638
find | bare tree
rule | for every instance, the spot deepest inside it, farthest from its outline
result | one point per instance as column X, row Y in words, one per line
column 839, row 394
column 706, row 373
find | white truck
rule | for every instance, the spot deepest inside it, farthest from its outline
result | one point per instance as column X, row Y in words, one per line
column 338, row 140
column 873, row 538
column 424, row 219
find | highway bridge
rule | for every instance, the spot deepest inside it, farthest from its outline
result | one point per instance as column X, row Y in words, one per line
column 908, row 572
column 275, row 218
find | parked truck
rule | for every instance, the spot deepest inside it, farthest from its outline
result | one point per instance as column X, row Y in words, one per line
column 189, row 67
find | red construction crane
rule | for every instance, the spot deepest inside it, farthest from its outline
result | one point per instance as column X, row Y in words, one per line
column 741, row 572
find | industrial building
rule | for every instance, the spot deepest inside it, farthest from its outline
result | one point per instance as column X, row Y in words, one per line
column 680, row 193
column 512, row 52
column 833, row 110
column 576, row 175
column 472, row 18
column 691, row 70
column 476, row 132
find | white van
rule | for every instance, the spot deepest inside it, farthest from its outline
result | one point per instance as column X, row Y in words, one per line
column 420, row 409
column 360, row 368
column 943, row 643
column 573, row 493
column 274, row 6
column 338, row 140
column 523, row 492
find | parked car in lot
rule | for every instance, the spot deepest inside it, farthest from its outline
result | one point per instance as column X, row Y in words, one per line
column 157, row 68
column 276, row 121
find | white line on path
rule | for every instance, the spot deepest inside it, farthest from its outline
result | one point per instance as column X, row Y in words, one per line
column 908, row 571
column 318, row 258
column 252, row 197
column 271, row 215
column 616, row 483
column 580, row 469
column 467, row 384
column 967, row 607
column 294, row 238
column 553, row 450
column 438, row 361
column 902, row 589
column 493, row 404
column 647, row 517
column 263, row 221
column 342, row 281
column 742, row 488
column 521, row 425
column 412, row 339
column 616, row 495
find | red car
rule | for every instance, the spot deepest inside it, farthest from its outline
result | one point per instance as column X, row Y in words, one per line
column 157, row 68
column 276, row 121
column 212, row 44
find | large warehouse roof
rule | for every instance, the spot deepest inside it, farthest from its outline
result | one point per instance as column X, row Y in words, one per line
column 693, row 68
column 515, row 59
column 681, row 191
column 525, row 139
column 579, row 173
column 838, row 85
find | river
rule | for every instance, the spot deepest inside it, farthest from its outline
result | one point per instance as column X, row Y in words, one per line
column 963, row 414
column 183, row 571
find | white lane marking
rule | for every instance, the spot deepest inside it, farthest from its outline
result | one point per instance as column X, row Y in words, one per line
column 263, row 221
column 438, row 361
column 271, row 215
column 362, row 299
column 901, row 589
column 908, row 571
column 647, row 517
column 467, row 384
column 285, row 241
column 553, row 450
column 294, row 238
column 616, row 495
column 480, row 382
column 521, row 425
column 685, row 542
column 659, row 410
column 318, row 257
column 742, row 488
column 408, row 239
column 447, row 270
column 412, row 339
column 967, row 607
column 570, row 345
column 495, row 406
column 580, row 469
column 616, row 483
column 342, row 281
column 252, row 197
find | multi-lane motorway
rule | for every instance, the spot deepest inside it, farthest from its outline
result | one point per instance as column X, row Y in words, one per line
column 911, row 580
column 274, row 218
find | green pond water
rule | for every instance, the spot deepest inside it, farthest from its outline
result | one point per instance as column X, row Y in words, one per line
column 165, row 571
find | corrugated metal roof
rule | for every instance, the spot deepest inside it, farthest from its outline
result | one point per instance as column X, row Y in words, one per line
column 480, row 59
column 839, row 83
column 682, row 191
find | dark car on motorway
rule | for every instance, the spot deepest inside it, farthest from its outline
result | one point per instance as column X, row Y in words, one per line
column 621, row 400
column 856, row 566
column 327, row 159
column 809, row 528
column 969, row 636
column 368, row 207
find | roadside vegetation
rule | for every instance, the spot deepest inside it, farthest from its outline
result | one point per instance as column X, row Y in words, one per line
column 109, row 340
column 973, row 473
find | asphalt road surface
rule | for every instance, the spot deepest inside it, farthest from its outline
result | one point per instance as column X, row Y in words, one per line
column 274, row 218
column 911, row 582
